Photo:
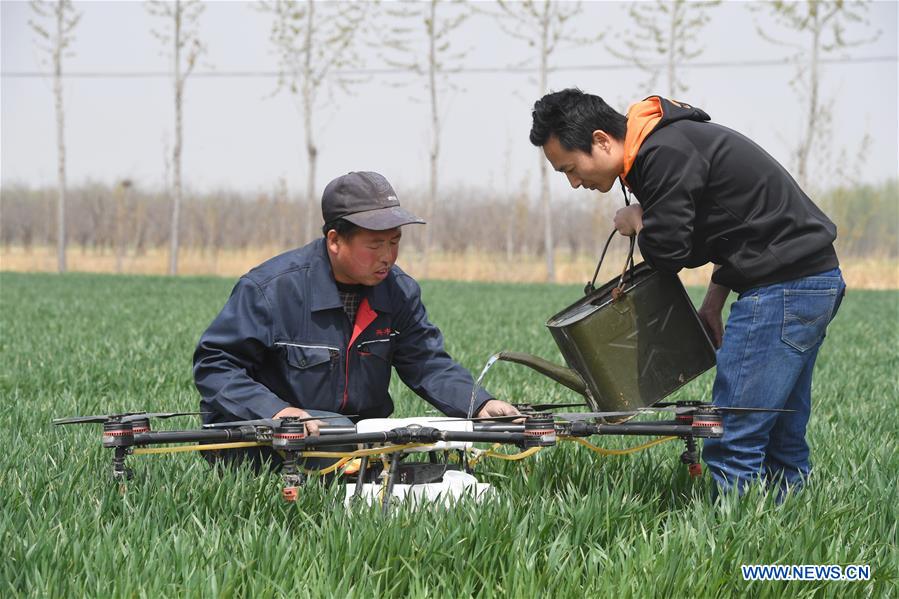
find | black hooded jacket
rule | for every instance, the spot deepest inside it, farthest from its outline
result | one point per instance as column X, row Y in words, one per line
column 709, row 194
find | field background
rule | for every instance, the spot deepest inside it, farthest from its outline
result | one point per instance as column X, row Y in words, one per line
column 566, row 523
column 869, row 272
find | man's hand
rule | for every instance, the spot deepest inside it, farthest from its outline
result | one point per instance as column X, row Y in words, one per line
column 714, row 325
column 311, row 425
column 495, row 407
column 629, row 220
column 710, row 311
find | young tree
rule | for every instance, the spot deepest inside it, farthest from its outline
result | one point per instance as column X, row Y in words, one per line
column 122, row 207
column 313, row 40
column 665, row 34
column 823, row 27
column 180, row 30
column 424, row 47
column 54, row 39
column 546, row 27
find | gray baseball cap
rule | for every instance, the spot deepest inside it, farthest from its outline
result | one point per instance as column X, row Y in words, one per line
column 365, row 199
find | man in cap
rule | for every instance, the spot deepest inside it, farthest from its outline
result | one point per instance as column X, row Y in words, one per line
column 317, row 330
column 709, row 194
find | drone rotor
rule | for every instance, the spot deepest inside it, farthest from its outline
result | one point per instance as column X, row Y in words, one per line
column 121, row 417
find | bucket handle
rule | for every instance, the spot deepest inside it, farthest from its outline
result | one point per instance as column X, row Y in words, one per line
column 628, row 264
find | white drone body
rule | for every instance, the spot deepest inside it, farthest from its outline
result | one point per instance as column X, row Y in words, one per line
column 454, row 485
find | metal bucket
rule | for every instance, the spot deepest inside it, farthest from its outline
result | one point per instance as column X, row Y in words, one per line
column 636, row 349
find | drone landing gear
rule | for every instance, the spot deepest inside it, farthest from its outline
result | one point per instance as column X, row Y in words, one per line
column 120, row 437
column 691, row 458
column 121, row 473
column 289, row 436
column 402, row 480
column 292, row 477
column 391, row 481
column 360, row 477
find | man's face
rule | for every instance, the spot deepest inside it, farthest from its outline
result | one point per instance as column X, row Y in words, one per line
column 365, row 257
column 597, row 170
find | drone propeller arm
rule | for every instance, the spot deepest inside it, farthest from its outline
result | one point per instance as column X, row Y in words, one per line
column 497, row 428
column 328, row 440
column 401, row 435
column 581, row 428
column 329, row 430
column 195, row 436
column 509, row 437
column 658, row 429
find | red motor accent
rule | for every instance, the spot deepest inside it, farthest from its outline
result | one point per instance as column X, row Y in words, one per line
column 539, row 432
column 289, row 435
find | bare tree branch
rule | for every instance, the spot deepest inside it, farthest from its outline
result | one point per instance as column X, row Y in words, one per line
column 822, row 24
column 179, row 32
column 312, row 41
column 667, row 32
column 63, row 15
column 546, row 27
column 419, row 41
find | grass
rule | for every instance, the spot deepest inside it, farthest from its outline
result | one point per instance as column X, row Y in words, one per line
column 566, row 523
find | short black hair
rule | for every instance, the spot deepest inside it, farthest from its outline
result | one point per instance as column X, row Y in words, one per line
column 572, row 116
column 344, row 228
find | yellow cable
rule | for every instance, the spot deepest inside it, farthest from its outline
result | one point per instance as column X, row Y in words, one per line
column 474, row 461
column 604, row 451
column 513, row 457
column 359, row 453
column 336, row 465
column 491, row 453
column 347, row 456
column 183, row 448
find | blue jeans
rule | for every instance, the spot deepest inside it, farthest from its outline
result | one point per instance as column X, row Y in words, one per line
column 766, row 360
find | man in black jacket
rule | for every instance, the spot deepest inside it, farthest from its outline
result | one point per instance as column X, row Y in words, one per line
column 709, row 194
column 317, row 330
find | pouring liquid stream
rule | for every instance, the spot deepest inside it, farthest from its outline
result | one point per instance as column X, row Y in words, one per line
column 477, row 384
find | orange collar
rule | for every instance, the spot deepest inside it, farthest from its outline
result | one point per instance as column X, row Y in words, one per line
column 642, row 118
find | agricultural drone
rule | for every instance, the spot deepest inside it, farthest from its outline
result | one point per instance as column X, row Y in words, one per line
column 376, row 469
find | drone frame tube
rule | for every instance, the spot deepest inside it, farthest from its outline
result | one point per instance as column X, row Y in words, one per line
column 195, row 436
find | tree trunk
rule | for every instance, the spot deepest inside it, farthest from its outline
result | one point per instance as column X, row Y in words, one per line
column 672, row 33
column 435, row 135
column 176, row 152
column 808, row 140
column 60, row 141
column 312, row 211
column 548, row 244
column 140, row 228
column 312, row 214
column 120, row 206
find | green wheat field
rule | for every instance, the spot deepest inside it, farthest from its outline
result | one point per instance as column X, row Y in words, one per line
column 566, row 523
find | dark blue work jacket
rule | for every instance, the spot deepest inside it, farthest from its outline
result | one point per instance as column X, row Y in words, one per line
column 283, row 339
